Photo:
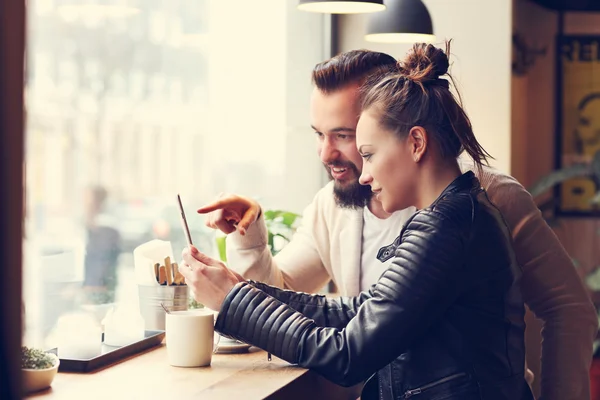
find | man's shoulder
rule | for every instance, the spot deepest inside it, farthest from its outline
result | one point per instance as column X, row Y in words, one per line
column 490, row 177
column 507, row 194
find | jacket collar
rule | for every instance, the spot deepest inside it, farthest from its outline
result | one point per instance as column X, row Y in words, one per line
column 466, row 181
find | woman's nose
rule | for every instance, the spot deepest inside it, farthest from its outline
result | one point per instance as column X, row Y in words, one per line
column 365, row 178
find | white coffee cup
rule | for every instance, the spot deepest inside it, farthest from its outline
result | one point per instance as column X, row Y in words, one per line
column 190, row 338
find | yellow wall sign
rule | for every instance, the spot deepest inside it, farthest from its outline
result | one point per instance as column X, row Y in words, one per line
column 578, row 119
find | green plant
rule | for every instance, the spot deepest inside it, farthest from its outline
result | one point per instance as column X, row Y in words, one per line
column 193, row 304
column 591, row 278
column 281, row 226
column 35, row 359
column 591, row 170
column 542, row 185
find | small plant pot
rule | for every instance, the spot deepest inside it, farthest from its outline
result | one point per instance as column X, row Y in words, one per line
column 39, row 379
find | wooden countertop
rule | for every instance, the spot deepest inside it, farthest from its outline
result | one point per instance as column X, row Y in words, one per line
column 230, row 376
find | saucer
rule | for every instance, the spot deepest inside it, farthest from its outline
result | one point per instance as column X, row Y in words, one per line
column 230, row 346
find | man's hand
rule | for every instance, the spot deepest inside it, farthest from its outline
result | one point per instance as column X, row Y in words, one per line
column 231, row 212
column 209, row 280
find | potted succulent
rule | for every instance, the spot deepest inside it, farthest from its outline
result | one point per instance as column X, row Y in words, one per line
column 39, row 369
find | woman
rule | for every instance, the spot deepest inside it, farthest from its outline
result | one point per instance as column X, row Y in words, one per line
column 446, row 320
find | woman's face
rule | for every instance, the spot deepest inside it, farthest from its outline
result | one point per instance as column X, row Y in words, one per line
column 389, row 166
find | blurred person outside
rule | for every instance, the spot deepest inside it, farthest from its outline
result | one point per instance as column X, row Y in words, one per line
column 103, row 246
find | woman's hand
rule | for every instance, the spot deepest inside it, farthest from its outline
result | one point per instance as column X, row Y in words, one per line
column 210, row 280
column 231, row 212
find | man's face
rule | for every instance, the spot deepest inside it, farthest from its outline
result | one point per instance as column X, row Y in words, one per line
column 334, row 117
column 588, row 127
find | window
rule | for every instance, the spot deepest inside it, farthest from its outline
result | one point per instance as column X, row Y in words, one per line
column 128, row 106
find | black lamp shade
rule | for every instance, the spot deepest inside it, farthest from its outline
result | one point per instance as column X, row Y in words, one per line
column 341, row 7
column 405, row 21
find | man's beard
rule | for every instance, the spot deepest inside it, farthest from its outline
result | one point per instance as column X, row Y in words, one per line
column 352, row 194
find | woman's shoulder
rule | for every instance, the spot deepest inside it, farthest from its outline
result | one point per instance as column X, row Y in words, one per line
column 453, row 211
column 447, row 223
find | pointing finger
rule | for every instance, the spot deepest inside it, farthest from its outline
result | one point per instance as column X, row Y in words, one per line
column 218, row 205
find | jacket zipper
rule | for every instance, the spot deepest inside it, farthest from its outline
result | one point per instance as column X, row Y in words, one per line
column 409, row 393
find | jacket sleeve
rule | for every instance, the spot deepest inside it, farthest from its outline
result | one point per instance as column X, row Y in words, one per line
column 413, row 292
column 332, row 312
column 554, row 292
column 297, row 266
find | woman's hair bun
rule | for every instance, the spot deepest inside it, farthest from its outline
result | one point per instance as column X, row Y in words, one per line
column 424, row 63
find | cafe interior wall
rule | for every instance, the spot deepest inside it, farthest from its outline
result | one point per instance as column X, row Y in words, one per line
column 534, row 116
column 533, row 130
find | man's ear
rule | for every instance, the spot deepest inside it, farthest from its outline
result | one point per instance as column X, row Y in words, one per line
column 417, row 141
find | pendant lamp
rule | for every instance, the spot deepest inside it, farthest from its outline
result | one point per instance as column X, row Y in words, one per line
column 403, row 21
column 341, row 7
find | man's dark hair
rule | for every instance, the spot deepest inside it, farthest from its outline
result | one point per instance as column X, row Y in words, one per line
column 349, row 68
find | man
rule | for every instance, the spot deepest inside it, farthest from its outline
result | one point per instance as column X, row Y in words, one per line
column 343, row 228
column 102, row 249
column 587, row 133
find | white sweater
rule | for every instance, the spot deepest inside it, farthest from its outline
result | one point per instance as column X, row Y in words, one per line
column 328, row 246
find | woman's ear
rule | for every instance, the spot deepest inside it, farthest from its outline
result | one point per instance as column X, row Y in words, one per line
column 417, row 141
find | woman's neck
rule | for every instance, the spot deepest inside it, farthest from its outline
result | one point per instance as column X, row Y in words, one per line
column 434, row 179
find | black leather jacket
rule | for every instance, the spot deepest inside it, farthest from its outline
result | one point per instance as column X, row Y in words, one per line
column 445, row 321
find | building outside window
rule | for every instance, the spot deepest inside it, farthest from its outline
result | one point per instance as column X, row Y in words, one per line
column 131, row 104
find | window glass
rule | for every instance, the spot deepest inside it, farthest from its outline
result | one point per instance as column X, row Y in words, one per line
column 130, row 102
